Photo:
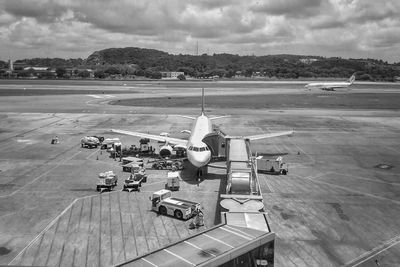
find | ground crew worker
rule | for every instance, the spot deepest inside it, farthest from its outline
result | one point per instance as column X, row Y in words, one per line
column 198, row 219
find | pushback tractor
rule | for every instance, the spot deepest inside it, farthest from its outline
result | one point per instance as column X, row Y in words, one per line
column 163, row 203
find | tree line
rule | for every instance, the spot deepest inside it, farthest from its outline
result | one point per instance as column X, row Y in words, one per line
column 132, row 62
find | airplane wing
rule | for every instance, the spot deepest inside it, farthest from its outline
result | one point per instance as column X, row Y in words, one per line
column 186, row 117
column 220, row 117
column 268, row 135
column 169, row 140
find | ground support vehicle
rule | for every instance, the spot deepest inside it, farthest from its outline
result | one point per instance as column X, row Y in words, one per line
column 90, row 142
column 109, row 143
column 173, row 181
column 55, row 140
column 101, row 138
column 107, row 181
column 139, row 171
column 144, row 145
column 134, row 182
column 168, row 165
column 272, row 166
column 163, row 203
column 113, row 146
column 133, row 160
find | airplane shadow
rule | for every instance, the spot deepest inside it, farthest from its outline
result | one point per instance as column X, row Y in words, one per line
column 189, row 175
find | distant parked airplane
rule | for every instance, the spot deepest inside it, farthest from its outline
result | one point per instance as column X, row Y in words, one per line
column 198, row 152
column 330, row 86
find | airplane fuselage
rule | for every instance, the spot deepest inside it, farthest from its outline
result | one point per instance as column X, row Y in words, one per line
column 328, row 85
column 197, row 151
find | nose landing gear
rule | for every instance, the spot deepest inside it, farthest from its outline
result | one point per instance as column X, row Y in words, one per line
column 202, row 171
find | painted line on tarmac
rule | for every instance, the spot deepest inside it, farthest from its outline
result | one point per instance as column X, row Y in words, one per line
column 347, row 189
column 143, row 185
column 40, row 176
column 374, row 252
column 370, row 180
column 50, row 224
column 91, row 154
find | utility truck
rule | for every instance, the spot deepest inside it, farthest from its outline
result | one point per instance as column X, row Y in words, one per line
column 90, row 142
column 173, row 181
column 272, row 166
column 163, row 203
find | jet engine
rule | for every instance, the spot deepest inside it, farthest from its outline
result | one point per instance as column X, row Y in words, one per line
column 165, row 151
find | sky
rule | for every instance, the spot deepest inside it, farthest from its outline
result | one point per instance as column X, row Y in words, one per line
column 77, row 28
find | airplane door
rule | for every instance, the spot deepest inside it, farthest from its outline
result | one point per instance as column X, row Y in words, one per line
column 216, row 143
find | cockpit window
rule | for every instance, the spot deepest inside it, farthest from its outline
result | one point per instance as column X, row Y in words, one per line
column 202, row 149
column 195, row 148
column 190, row 148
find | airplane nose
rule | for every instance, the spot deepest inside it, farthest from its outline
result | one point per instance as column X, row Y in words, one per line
column 200, row 159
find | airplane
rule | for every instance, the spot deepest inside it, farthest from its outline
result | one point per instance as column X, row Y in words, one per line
column 330, row 86
column 198, row 153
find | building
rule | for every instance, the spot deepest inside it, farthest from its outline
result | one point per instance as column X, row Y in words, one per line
column 36, row 72
column 307, row 60
column 171, row 74
column 10, row 65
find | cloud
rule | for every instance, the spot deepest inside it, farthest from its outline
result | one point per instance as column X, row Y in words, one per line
column 296, row 8
column 71, row 28
column 41, row 10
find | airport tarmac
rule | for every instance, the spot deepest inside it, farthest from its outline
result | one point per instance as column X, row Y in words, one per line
column 339, row 204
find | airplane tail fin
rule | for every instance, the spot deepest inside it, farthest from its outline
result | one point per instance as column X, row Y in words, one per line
column 202, row 100
column 352, row 78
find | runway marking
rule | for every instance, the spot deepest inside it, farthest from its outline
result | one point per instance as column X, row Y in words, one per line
column 40, row 176
column 95, row 96
column 373, row 252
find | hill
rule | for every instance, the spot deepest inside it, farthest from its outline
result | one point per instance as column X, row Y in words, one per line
column 228, row 65
column 134, row 61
